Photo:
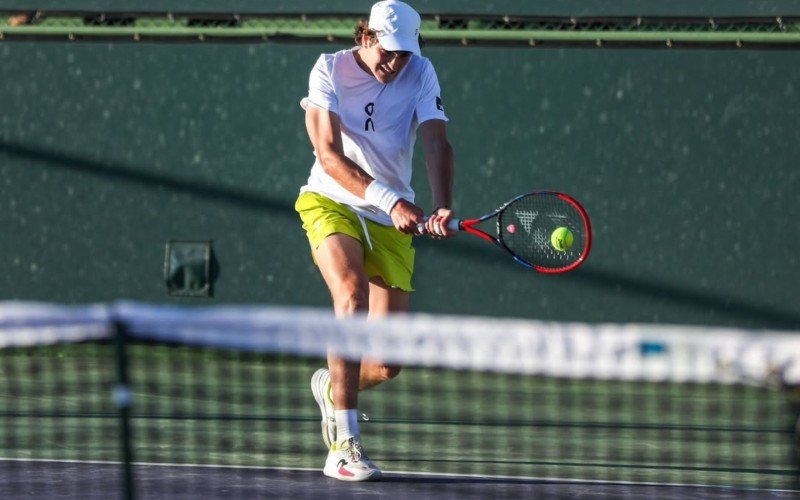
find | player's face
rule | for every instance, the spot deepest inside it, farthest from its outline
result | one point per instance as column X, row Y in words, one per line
column 385, row 65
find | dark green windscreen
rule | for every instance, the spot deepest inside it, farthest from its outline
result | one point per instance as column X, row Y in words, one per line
column 684, row 160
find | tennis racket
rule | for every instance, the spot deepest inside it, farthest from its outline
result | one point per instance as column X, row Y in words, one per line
column 525, row 228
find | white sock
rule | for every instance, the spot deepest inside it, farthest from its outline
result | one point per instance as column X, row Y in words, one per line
column 346, row 424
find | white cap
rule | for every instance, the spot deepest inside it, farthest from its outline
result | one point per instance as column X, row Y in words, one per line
column 396, row 24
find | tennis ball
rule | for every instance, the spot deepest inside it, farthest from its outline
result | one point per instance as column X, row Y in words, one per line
column 561, row 239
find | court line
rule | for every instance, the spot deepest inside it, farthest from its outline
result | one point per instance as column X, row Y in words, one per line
column 409, row 474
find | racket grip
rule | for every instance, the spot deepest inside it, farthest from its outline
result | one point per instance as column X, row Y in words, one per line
column 453, row 225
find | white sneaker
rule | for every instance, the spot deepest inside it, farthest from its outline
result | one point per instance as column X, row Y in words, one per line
column 321, row 388
column 348, row 462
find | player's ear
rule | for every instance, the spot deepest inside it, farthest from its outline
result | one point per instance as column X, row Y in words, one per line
column 368, row 40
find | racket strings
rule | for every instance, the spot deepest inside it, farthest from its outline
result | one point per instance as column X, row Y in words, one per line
column 525, row 227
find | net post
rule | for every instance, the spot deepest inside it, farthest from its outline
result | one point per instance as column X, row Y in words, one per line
column 123, row 399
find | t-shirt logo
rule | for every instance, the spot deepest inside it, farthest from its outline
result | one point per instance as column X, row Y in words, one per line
column 369, row 109
column 439, row 104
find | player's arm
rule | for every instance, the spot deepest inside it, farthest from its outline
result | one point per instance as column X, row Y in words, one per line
column 324, row 130
column 439, row 162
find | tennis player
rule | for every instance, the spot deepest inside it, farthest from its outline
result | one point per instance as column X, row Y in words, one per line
column 364, row 108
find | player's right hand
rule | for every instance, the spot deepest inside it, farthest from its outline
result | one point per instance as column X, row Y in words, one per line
column 406, row 217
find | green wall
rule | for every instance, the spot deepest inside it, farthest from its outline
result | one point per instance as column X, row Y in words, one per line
column 685, row 160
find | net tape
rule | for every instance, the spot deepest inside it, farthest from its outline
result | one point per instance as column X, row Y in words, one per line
column 573, row 350
column 25, row 324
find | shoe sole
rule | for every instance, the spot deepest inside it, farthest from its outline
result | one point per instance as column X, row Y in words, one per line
column 374, row 475
column 328, row 431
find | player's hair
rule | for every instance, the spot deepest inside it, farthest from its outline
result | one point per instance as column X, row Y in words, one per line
column 363, row 29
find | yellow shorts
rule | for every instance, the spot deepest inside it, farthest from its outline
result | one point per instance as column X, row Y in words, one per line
column 387, row 252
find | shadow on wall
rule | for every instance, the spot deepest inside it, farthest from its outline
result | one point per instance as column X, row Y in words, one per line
column 129, row 175
column 591, row 275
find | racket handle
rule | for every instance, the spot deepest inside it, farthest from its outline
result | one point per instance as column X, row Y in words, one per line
column 453, row 225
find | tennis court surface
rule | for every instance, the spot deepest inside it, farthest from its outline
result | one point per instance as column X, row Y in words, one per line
column 153, row 401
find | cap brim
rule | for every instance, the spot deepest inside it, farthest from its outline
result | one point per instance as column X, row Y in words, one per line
column 391, row 42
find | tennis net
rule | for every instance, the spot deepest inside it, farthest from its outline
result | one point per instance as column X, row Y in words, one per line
column 161, row 400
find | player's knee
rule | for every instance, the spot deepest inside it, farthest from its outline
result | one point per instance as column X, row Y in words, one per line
column 351, row 298
column 388, row 372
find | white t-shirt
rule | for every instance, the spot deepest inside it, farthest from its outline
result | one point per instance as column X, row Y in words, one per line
column 379, row 123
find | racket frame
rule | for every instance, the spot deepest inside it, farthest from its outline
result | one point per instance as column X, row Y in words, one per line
column 469, row 225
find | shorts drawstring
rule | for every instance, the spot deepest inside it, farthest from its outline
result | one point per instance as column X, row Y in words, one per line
column 366, row 232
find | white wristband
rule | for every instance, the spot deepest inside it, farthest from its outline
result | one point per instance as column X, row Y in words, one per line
column 382, row 196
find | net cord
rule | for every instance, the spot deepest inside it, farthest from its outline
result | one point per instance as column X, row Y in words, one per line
column 651, row 352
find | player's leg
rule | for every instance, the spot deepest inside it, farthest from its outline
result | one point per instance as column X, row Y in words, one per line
column 389, row 261
column 383, row 300
column 340, row 260
column 338, row 257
